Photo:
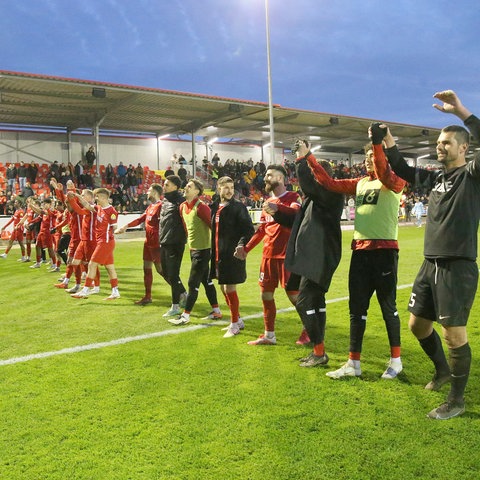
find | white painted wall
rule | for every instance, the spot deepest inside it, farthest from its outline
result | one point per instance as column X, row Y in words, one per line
column 48, row 147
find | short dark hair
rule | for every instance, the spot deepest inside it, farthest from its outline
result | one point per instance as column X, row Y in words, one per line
column 327, row 166
column 461, row 134
column 278, row 168
column 157, row 187
column 198, row 185
column 175, row 179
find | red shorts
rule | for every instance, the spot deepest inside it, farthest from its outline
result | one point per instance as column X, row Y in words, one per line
column 72, row 247
column 151, row 254
column 103, row 254
column 17, row 235
column 85, row 250
column 272, row 272
column 44, row 240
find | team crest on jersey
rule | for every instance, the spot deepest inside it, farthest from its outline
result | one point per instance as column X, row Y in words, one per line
column 370, row 197
column 442, row 187
column 113, row 216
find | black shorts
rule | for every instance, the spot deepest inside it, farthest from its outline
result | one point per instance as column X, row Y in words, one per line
column 444, row 291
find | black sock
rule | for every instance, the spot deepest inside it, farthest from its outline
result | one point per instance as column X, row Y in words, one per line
column 460, row 360
column 432, row 346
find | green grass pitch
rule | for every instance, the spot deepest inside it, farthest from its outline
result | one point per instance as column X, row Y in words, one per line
column 194, row 405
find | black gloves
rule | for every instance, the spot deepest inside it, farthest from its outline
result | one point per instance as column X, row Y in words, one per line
column 378, row 133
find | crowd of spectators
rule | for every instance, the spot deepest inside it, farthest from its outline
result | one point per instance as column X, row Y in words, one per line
column 124, row 180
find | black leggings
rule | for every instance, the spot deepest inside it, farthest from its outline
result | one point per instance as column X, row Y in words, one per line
column 199, row 274
column 171, row 260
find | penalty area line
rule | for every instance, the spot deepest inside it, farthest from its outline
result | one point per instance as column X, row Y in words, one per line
column 146, row 336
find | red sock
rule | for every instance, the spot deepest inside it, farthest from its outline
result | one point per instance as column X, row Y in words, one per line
column 354, row 355
column 69, row 271
column 319, row 349
column 147, row 281
column 234, row 304
column 89, row 282
column 269, row 314
column 395, row 352
column 97, row 278
column 114, row 282
column 29, row 249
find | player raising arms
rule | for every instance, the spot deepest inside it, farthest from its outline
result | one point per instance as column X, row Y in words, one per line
column 105, row 224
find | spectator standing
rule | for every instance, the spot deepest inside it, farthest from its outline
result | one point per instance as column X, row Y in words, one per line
column 419, row 211
column 90, row 157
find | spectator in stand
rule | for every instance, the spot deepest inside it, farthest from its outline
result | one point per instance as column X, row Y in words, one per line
column 215, row 160
column 139, row 174
column 109, row 174
column 121, row 173
column 11, row 175
column 22, row 175
column 54, row 171
column 90, row 157
column 3, row 201
column 132, row 182
column 169, row 171
column 88, row 179
column 78, row 174
column 182, row 173
column 181, row 160
column 27, row 191
column 32, row 171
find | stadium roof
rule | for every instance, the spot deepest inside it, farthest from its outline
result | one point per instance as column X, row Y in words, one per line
column 46, row 101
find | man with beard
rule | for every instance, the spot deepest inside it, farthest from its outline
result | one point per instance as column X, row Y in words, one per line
column 151, row 247
column 275, row 238
column 232, row 227
column 445, row 287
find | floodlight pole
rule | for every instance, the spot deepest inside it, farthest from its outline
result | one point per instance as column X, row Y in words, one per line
column 269, row 74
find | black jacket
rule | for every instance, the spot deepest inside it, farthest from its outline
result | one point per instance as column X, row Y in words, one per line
column 236, row 228
column 315, row 245
column 172, row 231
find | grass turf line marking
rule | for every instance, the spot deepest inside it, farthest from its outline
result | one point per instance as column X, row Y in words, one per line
column 146, row 336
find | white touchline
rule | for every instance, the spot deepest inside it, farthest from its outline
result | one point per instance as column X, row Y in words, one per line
column 146, row 336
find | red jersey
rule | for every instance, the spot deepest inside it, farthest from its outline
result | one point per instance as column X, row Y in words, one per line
column 106, row 219
column 48, row 222
column 151, row 218
column 275, row 236
column 87, row 232
column 16, row 217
